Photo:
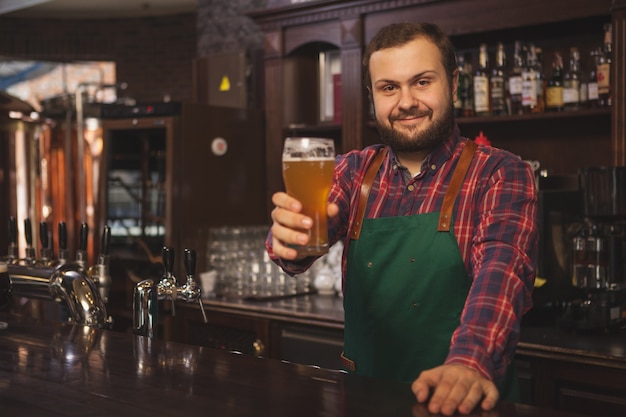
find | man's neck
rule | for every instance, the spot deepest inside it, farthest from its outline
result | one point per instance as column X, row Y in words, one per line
column 412, row 161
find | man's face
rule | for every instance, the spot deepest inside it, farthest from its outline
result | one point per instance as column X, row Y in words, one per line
column 412, row 97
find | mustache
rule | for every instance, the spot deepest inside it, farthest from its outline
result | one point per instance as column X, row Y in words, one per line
column 404, row 114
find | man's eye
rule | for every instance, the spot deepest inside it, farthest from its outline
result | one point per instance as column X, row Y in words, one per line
column 422, row 83
column 389, row 88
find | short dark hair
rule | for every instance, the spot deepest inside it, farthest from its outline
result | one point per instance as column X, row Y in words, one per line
column 398, row 34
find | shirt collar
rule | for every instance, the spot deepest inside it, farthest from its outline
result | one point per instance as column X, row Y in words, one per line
column 438, row 156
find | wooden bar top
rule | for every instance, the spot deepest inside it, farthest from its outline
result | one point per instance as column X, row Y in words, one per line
column 70, row 370
column 547, row 340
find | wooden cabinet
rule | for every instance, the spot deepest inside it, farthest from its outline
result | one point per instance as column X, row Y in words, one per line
column 566, row 382
column 294, row 35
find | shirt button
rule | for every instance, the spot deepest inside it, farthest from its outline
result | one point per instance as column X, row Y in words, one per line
column 411, row 187
column 370, row 264
column 433, row 167
column 412, row 260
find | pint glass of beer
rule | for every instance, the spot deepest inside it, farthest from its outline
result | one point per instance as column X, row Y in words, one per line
column 308, row 167
column 5, row 284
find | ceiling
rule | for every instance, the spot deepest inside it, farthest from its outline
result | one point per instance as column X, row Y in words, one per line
column 93, row 9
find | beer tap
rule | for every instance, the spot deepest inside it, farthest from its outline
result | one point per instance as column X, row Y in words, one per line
column 63, row 252
column 147, row 293
column 45, row 258
column 167, row 285
column 12, row 253
column 29, row 259
column 81, row 253
column 99, row 273
column 191, row 291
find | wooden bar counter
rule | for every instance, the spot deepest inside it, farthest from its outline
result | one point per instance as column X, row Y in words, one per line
column 68, row 370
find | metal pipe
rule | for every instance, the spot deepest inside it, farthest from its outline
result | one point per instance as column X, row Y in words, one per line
column 67, row 284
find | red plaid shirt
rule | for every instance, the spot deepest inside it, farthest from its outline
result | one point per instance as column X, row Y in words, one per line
column 494, row 224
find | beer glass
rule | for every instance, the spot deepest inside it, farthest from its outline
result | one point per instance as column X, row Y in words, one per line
column 308, row 167
column 5, row 284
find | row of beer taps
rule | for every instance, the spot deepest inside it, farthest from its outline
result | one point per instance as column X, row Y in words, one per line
column 81, row 288
column 85, row 289
column 98, row 273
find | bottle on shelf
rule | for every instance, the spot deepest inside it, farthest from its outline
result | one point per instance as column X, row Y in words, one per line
column 468, row 88
column 498, row 83
column 530, row 83
column 482, row 94
column 571, row 81
column 592, row 84
column 604, row 68
column 554, row 89
column 464, row 89
column 514, row 99
column 541, row 81
column 583, row 88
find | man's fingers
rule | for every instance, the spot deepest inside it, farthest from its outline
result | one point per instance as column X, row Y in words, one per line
column 491, row 397
column 421, row 386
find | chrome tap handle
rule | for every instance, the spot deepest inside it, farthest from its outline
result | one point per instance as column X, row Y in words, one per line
column 13, row 247
column 28, row 234
column 106, row 241
column 81, row 253
column 190, row 262
column 168, row 282
column 191, row 286
column 99, row 272
column 63, row 256
column 46, row 253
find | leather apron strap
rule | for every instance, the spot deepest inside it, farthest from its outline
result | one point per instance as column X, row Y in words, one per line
column 455, row 185
column 366, row 185
column 448, row 202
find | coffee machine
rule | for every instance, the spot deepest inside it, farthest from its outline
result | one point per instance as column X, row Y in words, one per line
column 598, row 267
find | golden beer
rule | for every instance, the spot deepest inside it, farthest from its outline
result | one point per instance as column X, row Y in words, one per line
column 308, row 176
column 5, row 284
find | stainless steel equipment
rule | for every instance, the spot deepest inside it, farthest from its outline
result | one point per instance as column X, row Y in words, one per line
column 80, row 290
column 148, row 293
column 67, row 284
column 599, row 252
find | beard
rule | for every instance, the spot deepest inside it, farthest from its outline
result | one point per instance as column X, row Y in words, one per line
column 416, row 141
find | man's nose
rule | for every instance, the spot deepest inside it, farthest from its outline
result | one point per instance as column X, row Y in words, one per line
column 408, row 98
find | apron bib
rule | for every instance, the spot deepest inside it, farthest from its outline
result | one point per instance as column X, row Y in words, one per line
column 405, row 288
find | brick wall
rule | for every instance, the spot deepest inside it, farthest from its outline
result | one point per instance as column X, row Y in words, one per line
column 153, row 55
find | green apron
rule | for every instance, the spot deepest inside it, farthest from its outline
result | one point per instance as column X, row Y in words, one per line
column 405, row 288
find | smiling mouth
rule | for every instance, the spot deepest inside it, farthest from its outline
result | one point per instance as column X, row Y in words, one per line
column 409, row 117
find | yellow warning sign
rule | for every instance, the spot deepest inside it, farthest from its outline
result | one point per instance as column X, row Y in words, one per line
column 225, row 84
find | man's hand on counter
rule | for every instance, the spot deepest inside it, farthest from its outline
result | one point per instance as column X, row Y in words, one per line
column 454, row 388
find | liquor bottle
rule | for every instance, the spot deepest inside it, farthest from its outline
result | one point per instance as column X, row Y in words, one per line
column 541, row 81
column 554, row 89
column 529, row 81
column 583, row 89
column 592, row 85
column 604, row 69
column 458, row 101
column 468, row 86
column 571, row 82
column 515, row 81
column 481, row 84
column 497, row 83
column 463, row 92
